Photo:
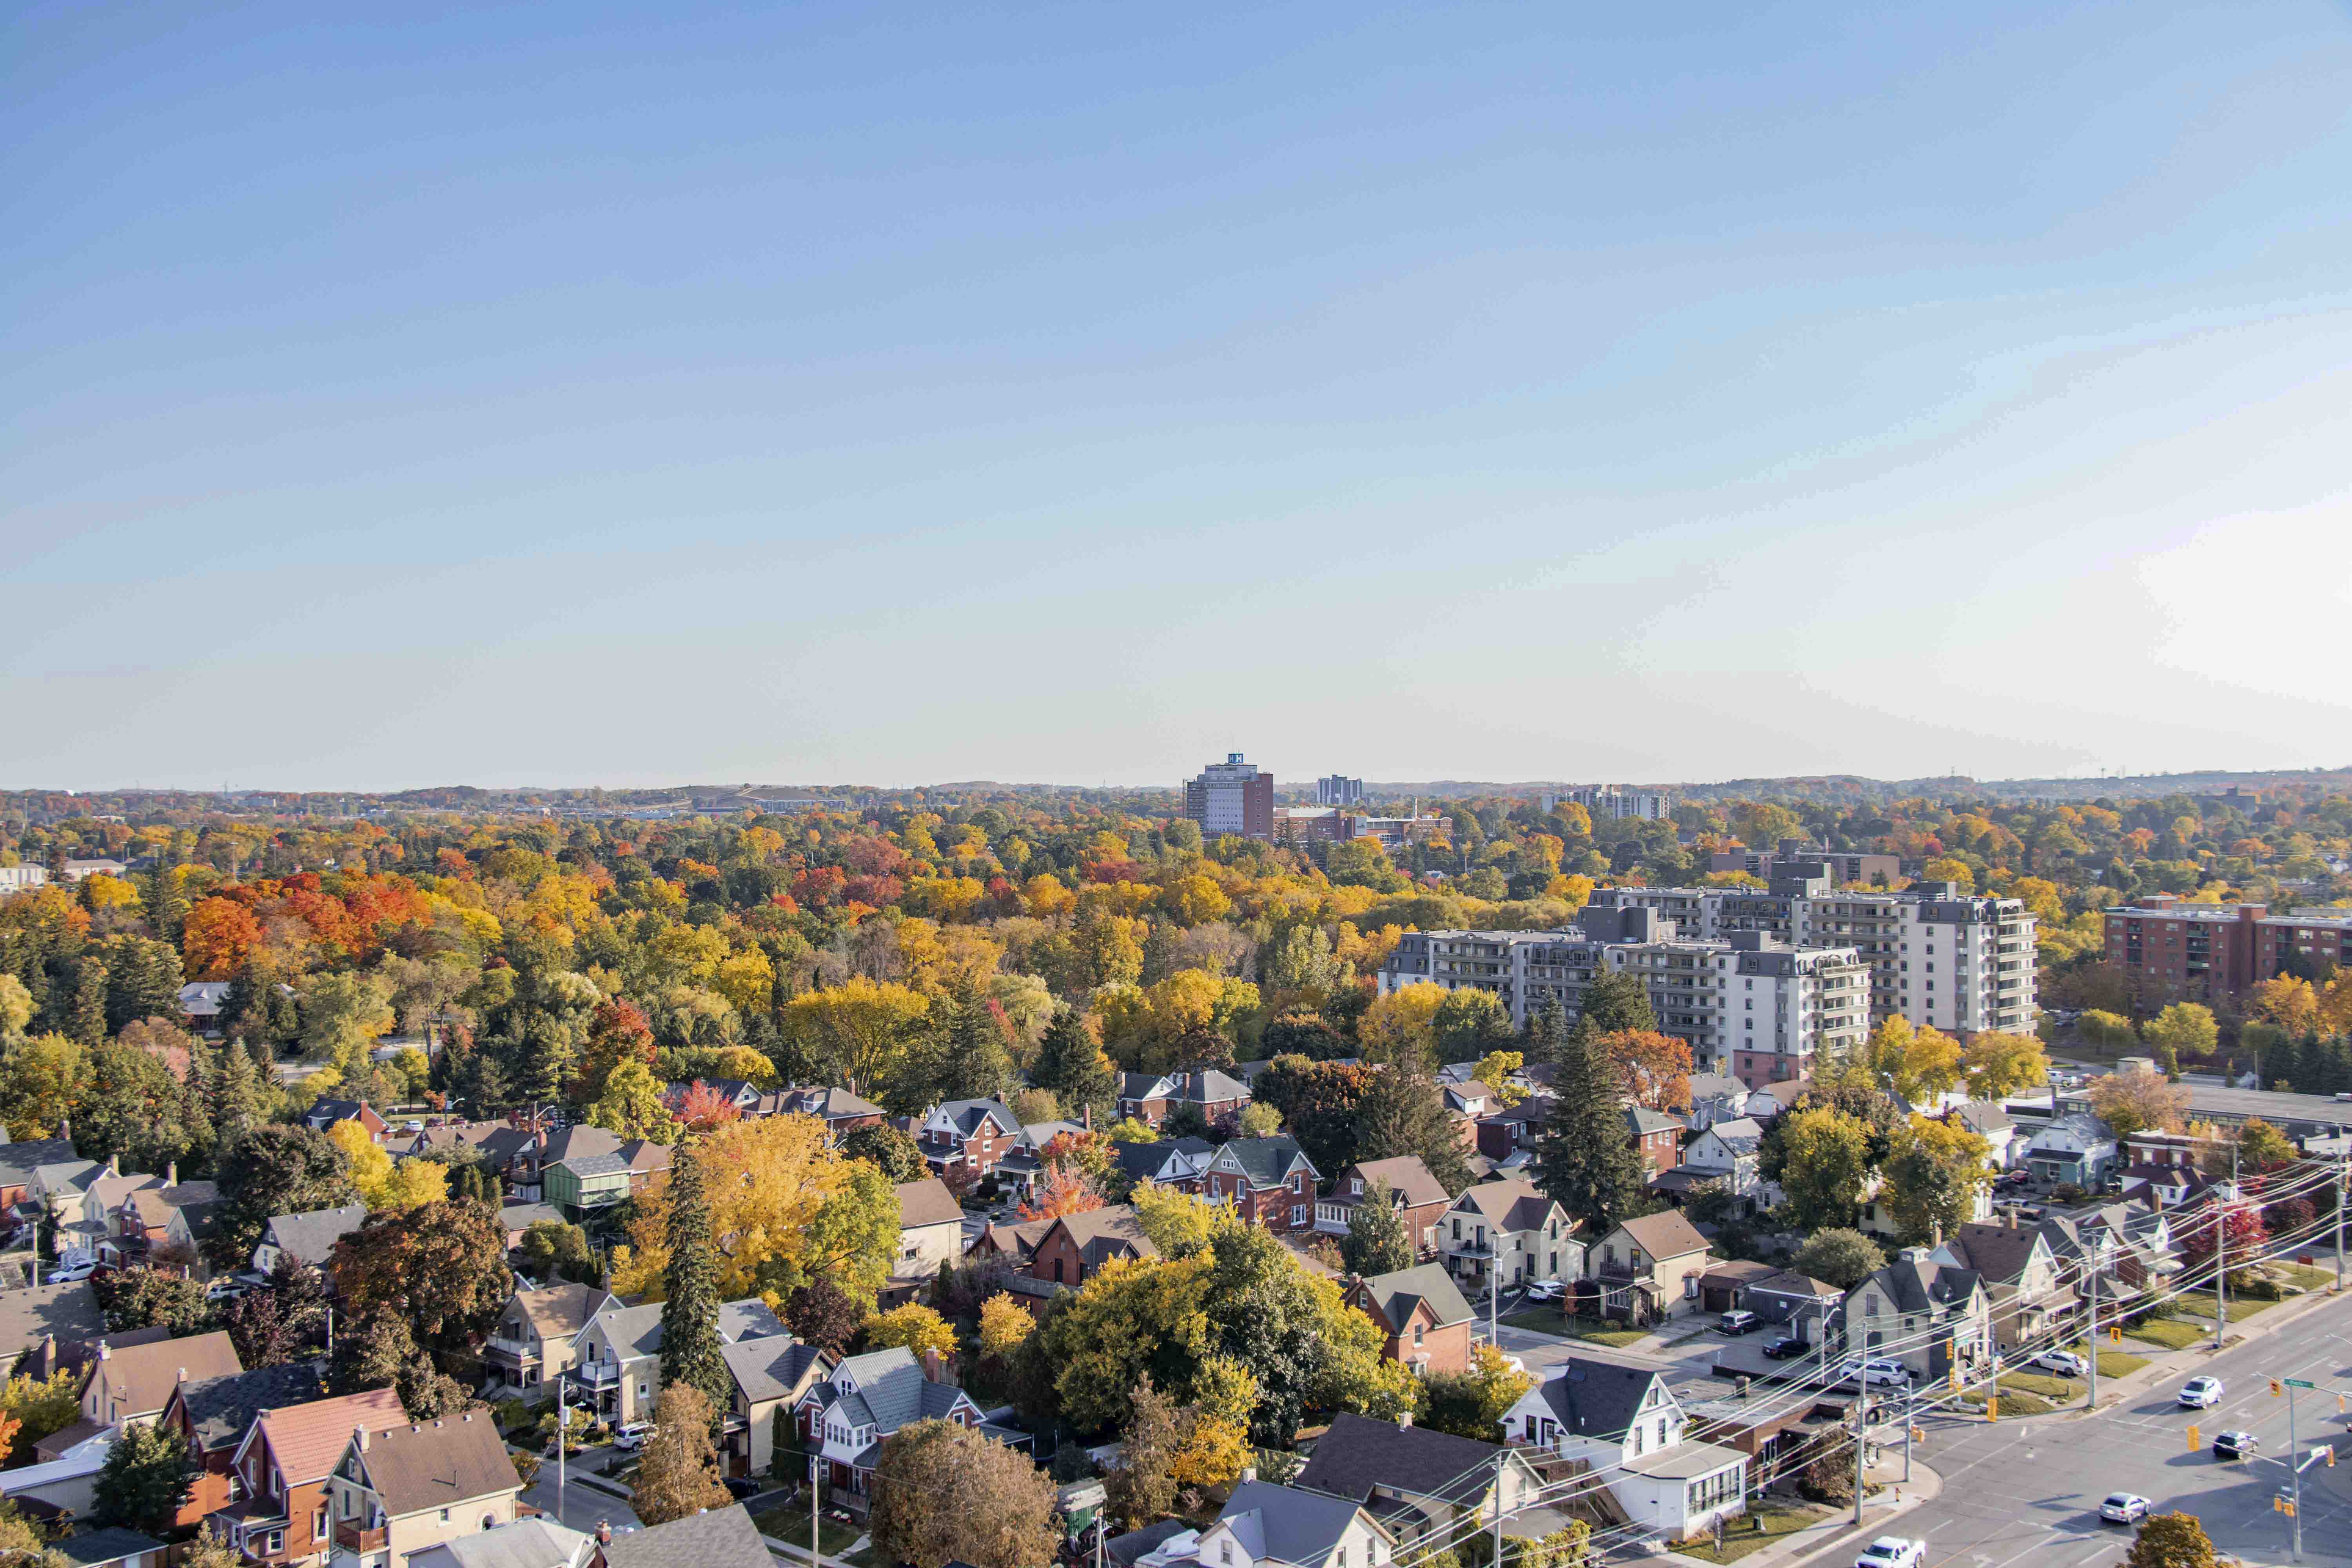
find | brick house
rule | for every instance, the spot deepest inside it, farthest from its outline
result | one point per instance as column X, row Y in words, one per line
column 965, row 1139
column 1150, row 1097
column 1076, row 1247
column 1506, row 1132
column 1656, row 1137
column 327, row 1112
column 1268, row 1181
column 279, row 1475
column 1420, row 1199
column 1179, row 1162
column 1511, row 1226
column 1422, row 1315
column 212, row 1416
column 840, row 1110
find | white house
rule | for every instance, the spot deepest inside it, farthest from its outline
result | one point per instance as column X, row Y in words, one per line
column 1996, row 1126
column 1729, row 1152
column 2077, row 1148
column 1715, row 1098
column 1285, row 1527
column 1626, row 1422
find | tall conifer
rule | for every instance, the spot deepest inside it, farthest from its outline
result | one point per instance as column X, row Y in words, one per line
column 690, row 1351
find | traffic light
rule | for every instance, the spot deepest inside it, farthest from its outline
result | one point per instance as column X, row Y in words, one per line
column 2195, row 1441
column 1919, row 1434
column 2115, row 1333
column 2330, row 1452
column 2277, row 1390
column 1956, row 1377
column 1993, row 1407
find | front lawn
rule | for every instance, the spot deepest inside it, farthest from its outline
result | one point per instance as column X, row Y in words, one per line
column 790, row 1525
column 1760, row 1529
column 2202, row 1304
column 2119, row 1363
column 2308, row 1277
column 1550, row 1321
column 2166, row 1331
column 2015, row 1400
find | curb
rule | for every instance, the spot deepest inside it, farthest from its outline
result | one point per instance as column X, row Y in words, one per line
column 1804, row 1545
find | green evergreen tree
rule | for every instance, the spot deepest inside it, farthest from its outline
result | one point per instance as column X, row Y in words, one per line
column 1615, row 1002
column 1405, row 1112
column 1584, row 1157
column 1073, row 1066
column 1376, row 1242
column 973, row 1060
column 144, row 1480
column 1546, row 1037
column 86, row 1021
column 236, row 1096
column 690, row 1352
column 167, row 911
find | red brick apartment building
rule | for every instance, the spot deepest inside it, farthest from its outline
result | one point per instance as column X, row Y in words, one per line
column 2196, row 951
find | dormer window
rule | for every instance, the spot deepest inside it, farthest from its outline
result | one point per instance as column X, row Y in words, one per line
column 1356, row 1187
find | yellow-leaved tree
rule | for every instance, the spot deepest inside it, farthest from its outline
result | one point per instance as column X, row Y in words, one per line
column 382, row 1183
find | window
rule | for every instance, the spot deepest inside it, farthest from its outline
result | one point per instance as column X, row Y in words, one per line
column 318, row 1522
column 1416, row 1336
column 444, row 1516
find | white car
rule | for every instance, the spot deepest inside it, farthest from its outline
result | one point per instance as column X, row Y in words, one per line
column 1893, row 1552
column 1546, row 1291
column 2201, row 1394
column 2124, row 1508
column 632, row 1436
column 2065, row 1362
column 71, row 1272
column 1877, row 1372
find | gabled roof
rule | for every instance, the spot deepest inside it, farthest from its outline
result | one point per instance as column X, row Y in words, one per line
column 1789, row 1283
column 969, row 1116
column 1153, row 1159
column 1996, row 1253
column 1916, row 1285
column 93, row 1547
column 219, row 1409
column 457, row 1459
column 1427, row 1284
column 891, row 1391
column 1200, row 1086
column 155, row 1206
column 832, row 1104
column 1358, row 1454
column 524, row 1543
column 1513, row 1204
column 1285, row 1523
column 1597, row 1398
column 1405, row 1175
column 722, row 1538
column 1267, row 1162
column 67, row 1175
column 926, row 1202
column 308, row 1439
column 1983, row 1116
column 1741, row 1134
column 1666, row 1234
column 310, row 1238
column 1641, row 1120
column 1715, row 1086
column 559, row 1310
column 773, row 1367
column 143, row 1376
column 2084, row 1129
column 1103, row 1233
column 19, row 1161
column 1015, row 1241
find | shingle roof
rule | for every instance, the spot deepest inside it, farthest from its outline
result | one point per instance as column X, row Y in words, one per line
column 221, row 1408
column 1398, row 1294
column 722, row 1538
column 453, row 1460
column 69, row 1311
column 1265, row 1161
column 1995, row 1252
column 310, row 1236
column 96, row 1546
column 966, row 1116
column 769, row 1368
column 1740, row 1134
column 523, row 1216
column 1597, row 1398
column 1666, row 1234
column 145, row 1375
column 1285, row 1523
column 926, row 1202
column 891, row 1391
column 1358, row 1453
column 1113, row 1231
column 637, row 1331
column 1142, row 1160
column 828, row 1103
column 1641, row 1120
column 1406, row 1176
column 1983, row 1116
column 1914, row 1285
column 1513, row 1204
column 308, row 1439
column 524, row 1543
column 1715, row 1086
column 559, row 1309
column 19, row 1161
column 1204, row 1087
column 1125, row 1549
column 155, row 1206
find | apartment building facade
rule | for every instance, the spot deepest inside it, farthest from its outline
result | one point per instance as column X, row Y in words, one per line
column 2198, row 951
column 1748, row 1004
column 1232, row 797
column 1337, row 789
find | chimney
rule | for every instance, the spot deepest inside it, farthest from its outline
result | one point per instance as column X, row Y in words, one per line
column 604, row 1532
column 183, row 1377
column 1405, row 1419
column 104, row 1354
column 934, row 1366
column 114, row 1164
column 1087, row 1117
column 362, row 1431
column 1249, row 1473
column 171, row 1174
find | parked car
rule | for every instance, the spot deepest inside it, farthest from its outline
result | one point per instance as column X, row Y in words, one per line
column 2236, row 1445
column 632, row 1436
column 1546, row 1291
column 1877, row 1372
column 1783, row 1347
column 2201, row 1394
column 2067, row 1364
column 71, row 1272
column 225, row 1289
column 1738, row 1323
column 742, row 1487
column 1893, row 1552
column 2017, row 1178
column 2124, row 1508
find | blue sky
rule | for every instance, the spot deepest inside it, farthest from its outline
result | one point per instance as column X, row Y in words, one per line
column 890, row 394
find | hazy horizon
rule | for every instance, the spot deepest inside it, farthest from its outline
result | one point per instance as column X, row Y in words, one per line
column 1061, row 393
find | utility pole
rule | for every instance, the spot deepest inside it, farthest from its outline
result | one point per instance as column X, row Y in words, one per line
column 1907, row 1434
column 2221, row 1256
column 1496, row 1560
column 2092, row 1346
column 2339, row 1213
column 2294, row 1465
column 815, row 1559
column 561, row 1445
column 1860, row 1426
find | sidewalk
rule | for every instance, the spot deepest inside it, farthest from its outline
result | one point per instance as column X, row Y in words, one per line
column 2163, row 1366
column 1899, row 1498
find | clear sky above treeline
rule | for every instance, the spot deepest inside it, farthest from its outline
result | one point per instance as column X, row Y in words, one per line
column 1080, row 392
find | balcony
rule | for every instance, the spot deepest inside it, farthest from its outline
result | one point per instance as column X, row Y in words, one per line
column 350, row 1536
column 597, row 1375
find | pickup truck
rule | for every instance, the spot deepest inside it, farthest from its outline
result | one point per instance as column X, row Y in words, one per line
column 1893, row 1552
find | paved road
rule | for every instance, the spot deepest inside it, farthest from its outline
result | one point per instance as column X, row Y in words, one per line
column 2025, row 1493
column 584, row 1507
